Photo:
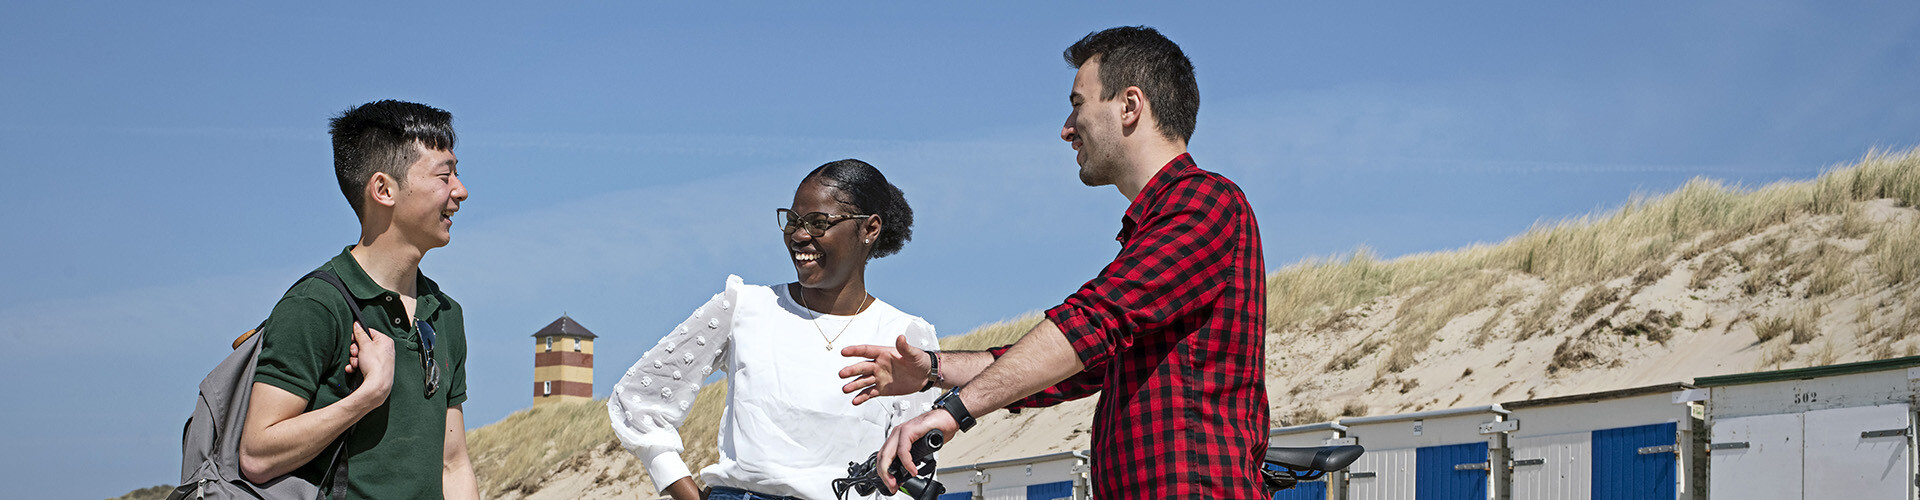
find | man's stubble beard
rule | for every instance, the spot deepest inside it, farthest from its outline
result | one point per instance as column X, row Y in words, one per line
column 1098, row 171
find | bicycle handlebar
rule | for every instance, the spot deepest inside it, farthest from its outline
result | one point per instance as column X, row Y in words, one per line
column 864, row 478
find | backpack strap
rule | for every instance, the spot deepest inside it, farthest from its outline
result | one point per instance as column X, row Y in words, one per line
column 352, row 303
column 337, row 466
column 324, row 276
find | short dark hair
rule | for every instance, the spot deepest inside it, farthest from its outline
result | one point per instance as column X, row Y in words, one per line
column 379, row 137
column 1138, row 56
column 863, row 187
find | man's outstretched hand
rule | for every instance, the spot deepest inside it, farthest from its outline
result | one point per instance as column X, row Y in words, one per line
column 888, row 371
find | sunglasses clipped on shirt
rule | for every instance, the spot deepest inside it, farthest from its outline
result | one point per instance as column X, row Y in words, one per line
column 427, row 364
column 816, row 223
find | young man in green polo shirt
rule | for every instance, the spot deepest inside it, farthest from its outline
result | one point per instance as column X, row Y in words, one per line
column 396, row 166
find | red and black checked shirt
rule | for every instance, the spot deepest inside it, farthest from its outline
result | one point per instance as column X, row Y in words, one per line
column 1173, row 333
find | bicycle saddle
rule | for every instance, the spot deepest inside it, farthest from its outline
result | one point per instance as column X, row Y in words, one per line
column 1323, row 458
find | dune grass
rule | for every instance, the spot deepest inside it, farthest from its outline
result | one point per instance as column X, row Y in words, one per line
column 1701, row 216
column 519, row 451
column 530, row 441
column 1896, row 253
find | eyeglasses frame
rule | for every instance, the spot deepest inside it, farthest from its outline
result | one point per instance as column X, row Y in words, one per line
column 790, row 222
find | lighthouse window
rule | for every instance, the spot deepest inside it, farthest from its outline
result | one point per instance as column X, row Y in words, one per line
column 546, row 388
column 549, row 343
column 576, row 345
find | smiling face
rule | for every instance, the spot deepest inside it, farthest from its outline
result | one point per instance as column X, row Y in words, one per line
column 837, row 257
column 1093, row 128
column 424, row 205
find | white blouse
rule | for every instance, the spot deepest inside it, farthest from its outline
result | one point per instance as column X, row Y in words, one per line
column 787, row 430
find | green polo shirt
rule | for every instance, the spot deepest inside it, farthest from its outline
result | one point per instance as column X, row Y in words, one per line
column 396, row 450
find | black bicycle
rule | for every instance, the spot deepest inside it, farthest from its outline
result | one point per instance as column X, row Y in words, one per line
column 1288, row 467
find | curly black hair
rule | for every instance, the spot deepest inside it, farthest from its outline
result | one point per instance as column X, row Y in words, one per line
column 863, row 187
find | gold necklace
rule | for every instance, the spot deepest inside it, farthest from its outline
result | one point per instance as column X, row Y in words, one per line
column 815, row 318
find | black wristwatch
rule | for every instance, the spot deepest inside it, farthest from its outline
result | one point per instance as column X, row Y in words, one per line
column 951, row 402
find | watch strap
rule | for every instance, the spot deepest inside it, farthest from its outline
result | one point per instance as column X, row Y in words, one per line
column 951, row 402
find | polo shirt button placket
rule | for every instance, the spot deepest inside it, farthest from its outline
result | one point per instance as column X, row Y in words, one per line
column 397, row 323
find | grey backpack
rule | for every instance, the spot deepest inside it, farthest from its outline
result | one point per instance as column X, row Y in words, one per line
column 210, row 445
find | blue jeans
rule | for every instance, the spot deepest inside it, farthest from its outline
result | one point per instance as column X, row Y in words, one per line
column 725, row 493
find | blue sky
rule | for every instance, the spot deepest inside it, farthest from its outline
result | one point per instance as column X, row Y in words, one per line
column 167, row 171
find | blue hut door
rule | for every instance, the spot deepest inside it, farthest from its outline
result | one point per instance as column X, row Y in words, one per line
column 1635, row 463
column 1454, row 472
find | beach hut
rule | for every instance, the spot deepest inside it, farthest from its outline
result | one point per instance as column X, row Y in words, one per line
column 1627, row 444
column 1432, row 455
column 1044, row 477
column 1840, row 431
column 1329, row 487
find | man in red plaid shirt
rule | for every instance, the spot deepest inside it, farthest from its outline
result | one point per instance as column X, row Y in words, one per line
column 1171, row 333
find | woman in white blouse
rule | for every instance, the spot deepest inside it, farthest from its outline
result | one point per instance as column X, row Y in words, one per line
column 788, row 430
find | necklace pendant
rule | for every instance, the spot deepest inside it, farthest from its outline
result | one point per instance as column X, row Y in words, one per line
column 829, row 347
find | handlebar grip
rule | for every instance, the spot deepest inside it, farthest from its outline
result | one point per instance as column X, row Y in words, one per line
column 921, row 487
column 922, row 452
column 928, row 444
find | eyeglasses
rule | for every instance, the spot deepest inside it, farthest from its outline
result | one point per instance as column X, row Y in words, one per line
column 816, row 223
column 427, row 364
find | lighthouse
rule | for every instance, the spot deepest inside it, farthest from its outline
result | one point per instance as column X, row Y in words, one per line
column 562, row 362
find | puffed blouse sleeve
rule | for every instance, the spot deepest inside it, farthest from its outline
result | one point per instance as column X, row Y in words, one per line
column 651, row 400
column 920, row 334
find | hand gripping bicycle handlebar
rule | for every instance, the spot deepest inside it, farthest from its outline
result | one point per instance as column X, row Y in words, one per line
column 864, row 478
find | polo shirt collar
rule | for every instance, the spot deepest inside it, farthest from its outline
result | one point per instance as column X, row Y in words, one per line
column 428, row 294
column 1143, row 202
column 363, row 286
column 355, row 277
